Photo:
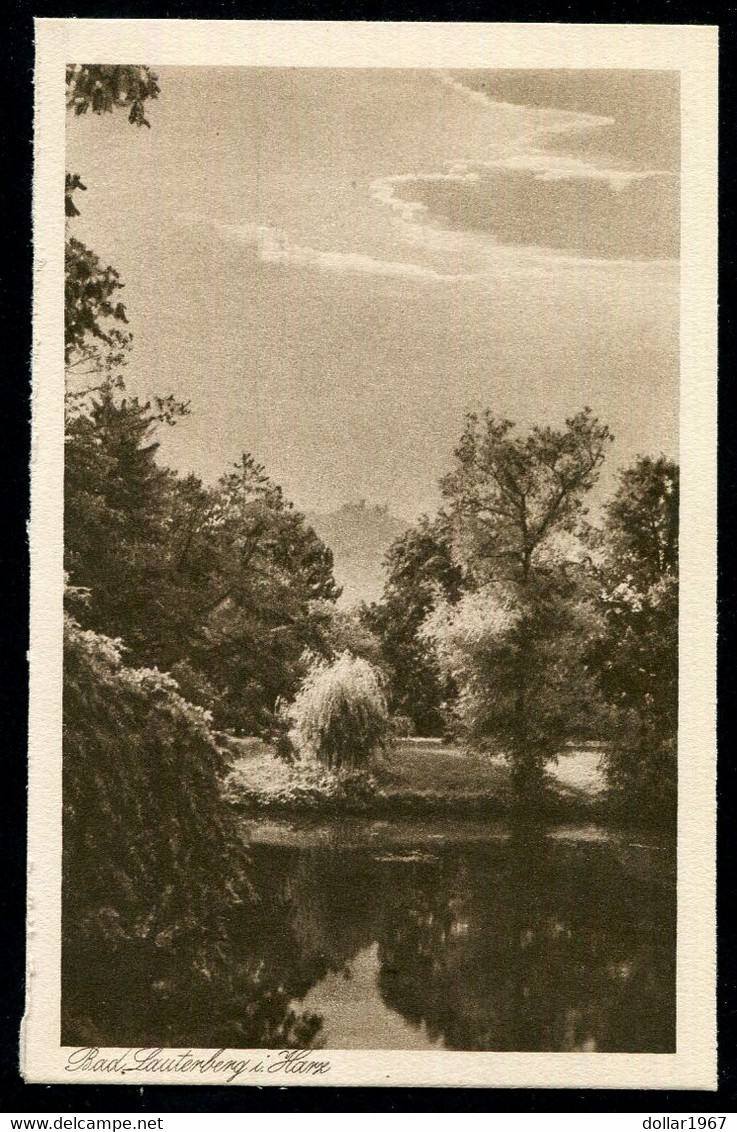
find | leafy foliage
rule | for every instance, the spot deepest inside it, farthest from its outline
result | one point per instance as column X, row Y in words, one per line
column 117, row 537
column 420, row 572
column 636, row 659
column 157, row 883
column 507, row 496
column 269, row 574
column 266, row 781
column 339, row 714
column 142, row 811
column 500, row 640
column 349, row 630
column 92, row 309
column 514, row 649
column 104, row 88
column 225, row 585
column 642, row 520
column 72, row 183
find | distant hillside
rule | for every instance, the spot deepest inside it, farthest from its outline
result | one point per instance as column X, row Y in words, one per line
column 359, row 536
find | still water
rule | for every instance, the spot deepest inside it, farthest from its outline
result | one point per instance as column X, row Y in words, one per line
column 461, row 936
column 453, row 934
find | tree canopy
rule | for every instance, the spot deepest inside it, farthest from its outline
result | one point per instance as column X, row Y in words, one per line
column 223, row 584
column 420, row 570
column 513, row 645
column 339, row 714
column 100, row 89
column 508, row 496
column 516, row 622
column 636, row 658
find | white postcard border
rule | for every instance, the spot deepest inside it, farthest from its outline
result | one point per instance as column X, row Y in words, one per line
column 693, row 51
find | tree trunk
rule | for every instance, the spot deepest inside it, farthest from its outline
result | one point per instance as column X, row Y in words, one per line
column 527, row 769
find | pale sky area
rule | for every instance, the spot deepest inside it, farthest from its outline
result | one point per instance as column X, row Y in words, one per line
column 334, row 266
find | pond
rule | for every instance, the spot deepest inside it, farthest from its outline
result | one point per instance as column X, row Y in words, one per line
column 460, row 936
column 410, row 934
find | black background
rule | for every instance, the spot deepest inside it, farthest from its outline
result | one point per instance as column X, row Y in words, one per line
column 16, row 131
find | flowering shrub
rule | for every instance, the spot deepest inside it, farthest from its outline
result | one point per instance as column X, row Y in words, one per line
column 152, row 864
column 266, row 781
column 517, row 657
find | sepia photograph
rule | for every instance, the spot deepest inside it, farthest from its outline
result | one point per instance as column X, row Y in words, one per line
column 372, row 453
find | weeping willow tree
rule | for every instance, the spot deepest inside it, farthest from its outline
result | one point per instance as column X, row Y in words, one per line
column 340, row 714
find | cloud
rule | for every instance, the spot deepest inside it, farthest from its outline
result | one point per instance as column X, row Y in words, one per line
column 518, row 155
column 534, row 123
column 454, row 251
column 546, row 121
column 273, row 245
column 561, row 167
column 408, row 212
column 558, row 209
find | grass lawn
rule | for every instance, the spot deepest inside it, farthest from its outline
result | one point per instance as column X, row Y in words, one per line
column 412, row 776
column 423, row 765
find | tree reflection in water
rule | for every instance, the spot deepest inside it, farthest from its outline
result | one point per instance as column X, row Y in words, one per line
column 520, row 944
column 538, row 946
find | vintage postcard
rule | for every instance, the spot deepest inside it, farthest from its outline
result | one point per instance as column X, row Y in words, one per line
column 372, row 731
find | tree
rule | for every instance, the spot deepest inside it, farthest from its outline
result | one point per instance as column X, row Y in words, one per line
column 510, row 650
column 642, row 520
column 118, row 533
column 227, row 586
column 420, row 572
column 514, row 505
column 636, row 657
column 104, row 88
column 339, row 715
column 93, row 311
column 347, row 630
column 152, row 861
column 271, row 575
column 507, row 496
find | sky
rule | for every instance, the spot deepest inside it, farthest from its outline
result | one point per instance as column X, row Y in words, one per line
column 334, row 266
